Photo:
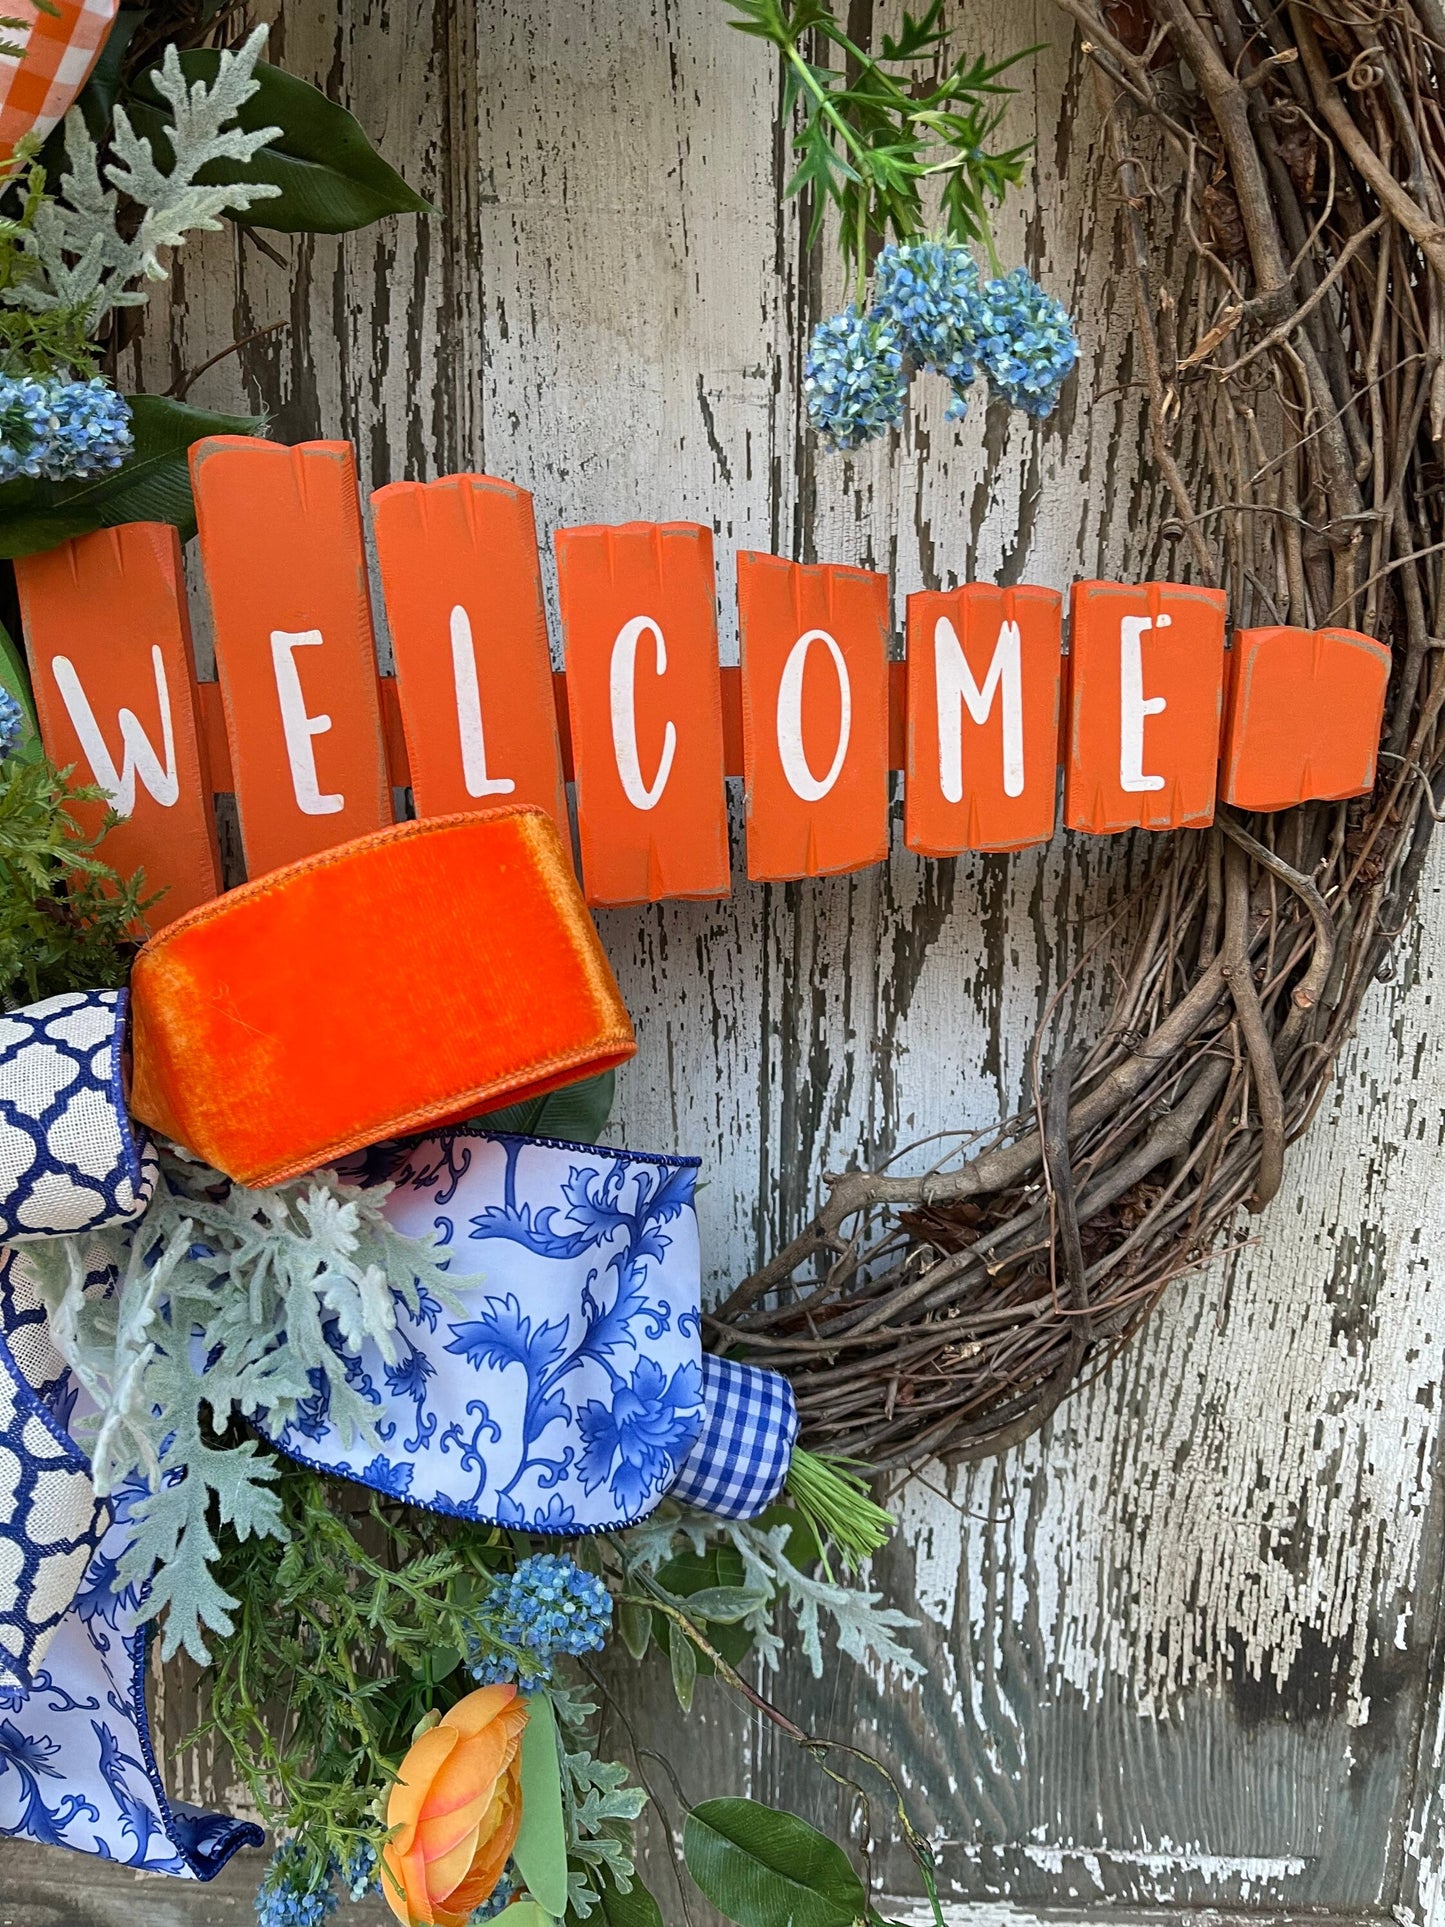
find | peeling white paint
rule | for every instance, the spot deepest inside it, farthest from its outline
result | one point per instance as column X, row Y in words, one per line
column 610, row 314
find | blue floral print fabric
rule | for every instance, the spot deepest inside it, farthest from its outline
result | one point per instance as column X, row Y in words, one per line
column 77, row 1768
column 76, row 1764
column 564, row 1391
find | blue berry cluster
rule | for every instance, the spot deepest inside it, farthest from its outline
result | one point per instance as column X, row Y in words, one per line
column 290, row 1894
column 549, row 1605
column 931, row 311
column 12, row 723
column 61, row 431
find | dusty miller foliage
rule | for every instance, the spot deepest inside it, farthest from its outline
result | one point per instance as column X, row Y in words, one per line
column 864, row 1629
column 82, row 253
column 600, row 1808
column 229, row 1302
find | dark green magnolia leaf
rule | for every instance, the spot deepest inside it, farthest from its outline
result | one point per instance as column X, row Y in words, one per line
column 331, row 177
column 578, row 1113
column 761, row 1868
column 153, row 486
column 540, row 1854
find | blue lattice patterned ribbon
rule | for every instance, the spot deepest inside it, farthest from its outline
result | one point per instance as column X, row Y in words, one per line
column 564, row 1392
column 70, row 1160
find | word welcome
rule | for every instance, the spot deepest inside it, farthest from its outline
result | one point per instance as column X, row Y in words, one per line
column 1152, row 718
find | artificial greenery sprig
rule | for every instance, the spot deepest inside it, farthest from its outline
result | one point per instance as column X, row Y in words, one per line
column 875, row 132
column 67, row 921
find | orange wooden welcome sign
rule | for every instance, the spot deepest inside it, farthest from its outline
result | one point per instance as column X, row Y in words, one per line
column 1150, row 714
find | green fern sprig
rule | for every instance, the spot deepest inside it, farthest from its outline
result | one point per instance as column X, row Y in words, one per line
column 67, row 921
column 874, row 133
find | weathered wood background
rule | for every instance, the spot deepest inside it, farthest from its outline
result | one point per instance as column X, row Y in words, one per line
column 1183, row 1651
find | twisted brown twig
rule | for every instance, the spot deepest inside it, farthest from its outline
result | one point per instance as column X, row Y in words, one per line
column 948, row 1314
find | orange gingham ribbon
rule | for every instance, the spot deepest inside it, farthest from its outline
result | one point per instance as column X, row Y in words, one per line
column 59, row 51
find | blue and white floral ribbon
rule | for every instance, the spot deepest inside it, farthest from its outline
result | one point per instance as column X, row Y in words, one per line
column 565, row 1392
column 77, row 1768
column 739, row 1463
column 70, row 1159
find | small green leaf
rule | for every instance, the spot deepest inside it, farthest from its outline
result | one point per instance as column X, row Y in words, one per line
column 683, row 1655
column 330, row 176
column 14, row 678
column 577, row 1113
column 634, row 1622
column 154, row 485
column 526, row 1913
column 762, row 1868
column 723, row 1605
column 540, row 1854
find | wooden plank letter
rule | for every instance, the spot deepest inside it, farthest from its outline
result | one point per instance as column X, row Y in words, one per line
column 281, row 545
column 115, row 691
column 815, row 716
column 1146, row 680
column 463, row 589
column 646, row 712
column 1303, row 716
column 984, row 677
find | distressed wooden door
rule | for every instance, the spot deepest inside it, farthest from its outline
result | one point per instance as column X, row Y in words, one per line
column 1183, row 1650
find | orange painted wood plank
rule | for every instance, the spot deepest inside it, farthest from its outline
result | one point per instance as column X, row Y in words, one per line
column 1303, row 716
column 985, row 673
column 463, row 588
column 644, row 695
column 1146, row 684
column 281, row 546
column 109, row 638
column 814, row 716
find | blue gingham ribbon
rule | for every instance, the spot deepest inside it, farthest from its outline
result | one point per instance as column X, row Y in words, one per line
column 740, row 1462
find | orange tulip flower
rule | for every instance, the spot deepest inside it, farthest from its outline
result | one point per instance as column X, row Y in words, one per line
column 455, row 1811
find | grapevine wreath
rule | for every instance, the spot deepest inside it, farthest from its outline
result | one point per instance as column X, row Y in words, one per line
column 1295, row 365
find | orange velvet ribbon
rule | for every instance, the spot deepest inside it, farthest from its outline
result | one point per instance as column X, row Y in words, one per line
column 402, row 981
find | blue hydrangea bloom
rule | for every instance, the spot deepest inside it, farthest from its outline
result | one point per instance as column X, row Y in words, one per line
column 497, row 1901
column 290, row 1895
column 1027, row 344
column 92, row 434
column 929, row 291
column 358, row 1872
column 27, row 424
column 549, row 1605
column 12, row 723
column 853, row 379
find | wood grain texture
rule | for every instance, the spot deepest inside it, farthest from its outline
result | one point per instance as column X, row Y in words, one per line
column 1184, row 1649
